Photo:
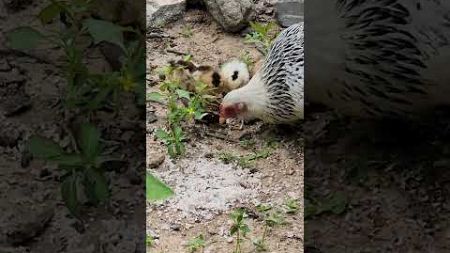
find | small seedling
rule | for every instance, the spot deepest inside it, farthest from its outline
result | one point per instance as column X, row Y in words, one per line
column 227, row 157
column 187, row 31
column 149, row 241
column 247, row 59
column 335, row 203
column 262, row 36
column 272, row 218
column 196, row 244
column 247, row 143
column 82, row 167
column 291, row 206
column 245, row 161
column 239, row 228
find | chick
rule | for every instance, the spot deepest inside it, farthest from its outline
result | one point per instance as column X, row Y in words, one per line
column 188, row 74
column 234, row 74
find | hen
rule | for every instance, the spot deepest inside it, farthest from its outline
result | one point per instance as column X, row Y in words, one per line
column 275, row 92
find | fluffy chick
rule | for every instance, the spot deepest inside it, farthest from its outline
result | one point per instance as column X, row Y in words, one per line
column 234, row 74
column 188, row 74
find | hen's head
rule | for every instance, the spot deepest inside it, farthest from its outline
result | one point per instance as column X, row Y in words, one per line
column 246, row 103
column 232, row 110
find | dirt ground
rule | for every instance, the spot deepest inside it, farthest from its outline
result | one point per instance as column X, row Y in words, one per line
column 33, row 215
column 393, row 178
column 207, row 189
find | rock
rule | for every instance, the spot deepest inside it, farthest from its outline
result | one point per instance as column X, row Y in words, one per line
column 289, row 12
column 151, row 117
column 232, row 15
column 13, row 97
column 161, row 12
column 175, row 227
column 10, row 133
column 23, row 229
column 155, row 159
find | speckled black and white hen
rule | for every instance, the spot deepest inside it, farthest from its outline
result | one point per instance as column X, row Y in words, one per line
column 378, row 58
column 275, row 92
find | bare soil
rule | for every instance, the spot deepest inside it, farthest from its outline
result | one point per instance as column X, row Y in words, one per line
column 395, row 181
column 207, row 189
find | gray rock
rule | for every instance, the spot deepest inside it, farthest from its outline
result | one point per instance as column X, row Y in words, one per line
column 161, row 12
column 289, row 12
column 232, row 15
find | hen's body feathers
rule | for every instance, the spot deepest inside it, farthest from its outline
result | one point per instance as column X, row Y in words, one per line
column 379, row 57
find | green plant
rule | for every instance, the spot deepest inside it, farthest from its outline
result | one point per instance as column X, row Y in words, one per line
column 335, row 203
column 262, row 36
column 81, row 168
column 155, row 189
column 239, row 228
column 291, row 206
column 182, row 106
column 227, row 157
column 272, row 218
column 245, row 161
column 247, row 143
column 247, row 59
column 149, row 241
column 86, row 90
column 196, row 243
column 187, row 31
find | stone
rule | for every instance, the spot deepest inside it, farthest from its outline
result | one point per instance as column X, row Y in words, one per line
column 162, row 12
column 232, row 15
column 289, row 12
column 155, row 159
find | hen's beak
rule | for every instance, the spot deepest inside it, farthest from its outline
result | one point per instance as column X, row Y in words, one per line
column 222, row 120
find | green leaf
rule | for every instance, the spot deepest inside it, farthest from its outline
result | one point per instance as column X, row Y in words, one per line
column 49, row 13
column 336, row 203
column 244, row 229
column 233, row 229
column 183, row 94
column 23, row 38
column 69, row 193
column 178, row 132
column 44, row 148
column 155, row 96
column 89, row 141
column 96, row 186
column 156, row 190
column 149, row 240
column 101, row 30
column 70, row 161
column 162, row 135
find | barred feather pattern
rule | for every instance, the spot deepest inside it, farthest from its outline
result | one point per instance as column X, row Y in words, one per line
column 395, row 52
column 282, row 76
